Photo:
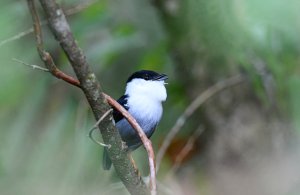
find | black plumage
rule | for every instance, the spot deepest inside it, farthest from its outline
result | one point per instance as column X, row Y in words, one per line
column 123, row 102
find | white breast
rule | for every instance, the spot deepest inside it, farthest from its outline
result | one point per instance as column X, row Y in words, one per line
column 145, row 101
column 146, row 111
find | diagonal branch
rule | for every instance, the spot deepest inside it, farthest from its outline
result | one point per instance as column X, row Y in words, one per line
column 196, row 103
column 91, row 87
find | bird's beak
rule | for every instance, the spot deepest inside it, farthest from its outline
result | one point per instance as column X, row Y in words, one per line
column 161, row 77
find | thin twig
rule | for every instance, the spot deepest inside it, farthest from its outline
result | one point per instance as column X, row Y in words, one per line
column 58, row 74
column 32, row 65
column 196, row 103
column 96, row 127
column 71, row 11
column 146, row 142
column 17, row 36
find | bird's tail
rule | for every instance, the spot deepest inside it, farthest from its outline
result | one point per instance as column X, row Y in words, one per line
column 106, row 160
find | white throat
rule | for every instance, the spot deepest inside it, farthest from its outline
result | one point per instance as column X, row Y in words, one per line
column 145, row 100
column 152, row 90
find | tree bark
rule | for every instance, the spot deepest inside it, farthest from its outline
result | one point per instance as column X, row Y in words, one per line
column 93, row 92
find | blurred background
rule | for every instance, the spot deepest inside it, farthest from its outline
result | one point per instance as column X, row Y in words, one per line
column 243, row 140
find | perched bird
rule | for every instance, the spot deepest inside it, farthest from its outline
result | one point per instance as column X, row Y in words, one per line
column 144, row 94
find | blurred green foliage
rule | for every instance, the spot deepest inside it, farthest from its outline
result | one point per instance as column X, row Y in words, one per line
column 44, row 122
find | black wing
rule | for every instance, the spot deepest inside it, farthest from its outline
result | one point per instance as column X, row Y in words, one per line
column 116, row 114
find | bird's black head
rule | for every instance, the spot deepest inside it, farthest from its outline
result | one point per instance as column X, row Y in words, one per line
column 147, row 75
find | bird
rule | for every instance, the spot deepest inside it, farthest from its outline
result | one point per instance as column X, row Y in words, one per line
column 145, row 91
